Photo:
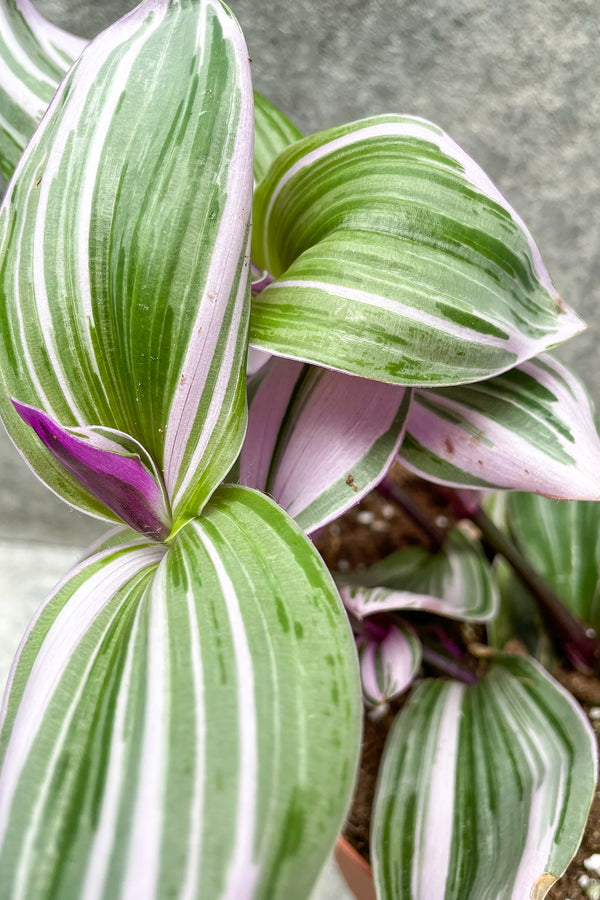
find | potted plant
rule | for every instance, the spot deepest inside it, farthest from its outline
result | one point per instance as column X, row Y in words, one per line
column 183, row 717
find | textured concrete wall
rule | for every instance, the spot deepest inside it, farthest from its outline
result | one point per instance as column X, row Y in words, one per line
column 515, row 82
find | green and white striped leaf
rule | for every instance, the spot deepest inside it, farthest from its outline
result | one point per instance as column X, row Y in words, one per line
column 397, row 259
column 273, row 132
column 34, row 56
column 484, row 790
column 124, row 239
column 183, row 722
column 390, row 658
column 562, row 542
column 319, row 440
column 531, row 428
column 455, row 581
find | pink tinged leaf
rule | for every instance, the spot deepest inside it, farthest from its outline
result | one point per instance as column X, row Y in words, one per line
column 257, row 359
column 388, row 662
column 266, row 416
column 529, row 429
column 114, row 475
column 318, row 440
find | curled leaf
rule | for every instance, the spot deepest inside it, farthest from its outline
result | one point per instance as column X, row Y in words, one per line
column 109, row 465
column 389, row 661
column 531, row 428
column 396, row 258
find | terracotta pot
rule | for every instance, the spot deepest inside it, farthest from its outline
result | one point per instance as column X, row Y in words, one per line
column 355, row 870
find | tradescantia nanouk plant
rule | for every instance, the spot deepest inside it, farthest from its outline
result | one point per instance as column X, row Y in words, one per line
column 219, row 336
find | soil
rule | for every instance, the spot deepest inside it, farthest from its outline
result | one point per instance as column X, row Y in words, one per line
column 370, row 531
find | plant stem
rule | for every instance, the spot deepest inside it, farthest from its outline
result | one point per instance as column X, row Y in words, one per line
column 448, row 666
column 390, row 490
column 583, row 650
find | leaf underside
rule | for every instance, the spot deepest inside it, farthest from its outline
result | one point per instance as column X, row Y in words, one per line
column 319, row 440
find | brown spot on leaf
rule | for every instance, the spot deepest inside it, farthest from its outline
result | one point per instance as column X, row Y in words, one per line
column 350, row 482
column 449, row 445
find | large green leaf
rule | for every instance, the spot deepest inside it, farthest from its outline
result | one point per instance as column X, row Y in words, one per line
column 531, row 428
column 396, row 258
column 34, row 56
column 124, row 246
column 484, row 790
column 562, row 542
column 183, row 722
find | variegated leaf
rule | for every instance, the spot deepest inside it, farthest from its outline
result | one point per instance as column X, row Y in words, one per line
column 390, row 657
column 124, row 238
column 396, row 258
column 455, row 581
column 206, row 697
column 273, row 132
column 531, row 428
column 484, row 790
column 319, row 440
column 34, row 56
column 562, row 542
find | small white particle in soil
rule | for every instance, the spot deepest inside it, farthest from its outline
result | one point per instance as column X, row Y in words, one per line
column 380, row 526
column 594, row 713
column 591, row 632
column 583, row 881
column 335, row 530
column 343, row 565
column 592, row 863
column 388, row 511
column 441, row 521
column 364, row 517
column 593, row 890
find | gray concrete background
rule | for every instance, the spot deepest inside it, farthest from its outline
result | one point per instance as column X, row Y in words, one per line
column 517, row 84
